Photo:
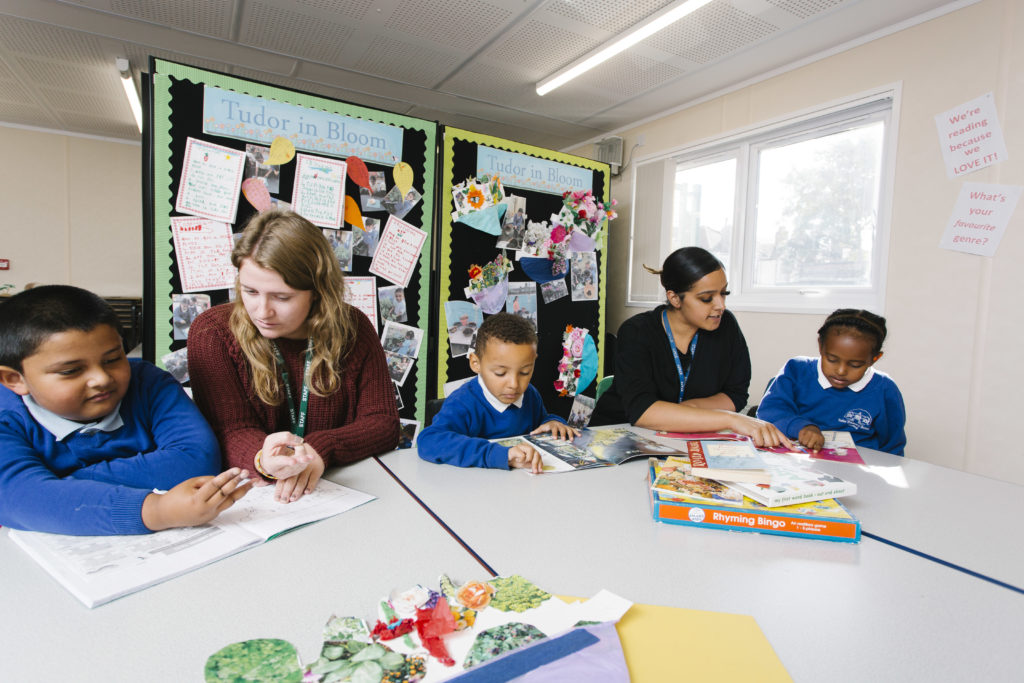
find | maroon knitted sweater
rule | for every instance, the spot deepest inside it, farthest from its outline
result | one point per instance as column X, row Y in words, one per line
column 360, row 419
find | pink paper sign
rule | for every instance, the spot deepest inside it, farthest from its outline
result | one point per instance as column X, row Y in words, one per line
column 398, row 251
column 210, row 178
column 203, row 252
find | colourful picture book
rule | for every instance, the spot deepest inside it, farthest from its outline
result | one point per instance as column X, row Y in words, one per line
column 673, row 479
column 839, row 446
column 823, row 519
column 792, row 482
column 98, row 569
column 727, row 461
column 600, row 447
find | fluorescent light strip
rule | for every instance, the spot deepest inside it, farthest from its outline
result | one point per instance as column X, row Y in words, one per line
column 644, row 29
column 129, row 90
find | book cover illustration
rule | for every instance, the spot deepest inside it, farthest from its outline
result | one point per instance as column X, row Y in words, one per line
column 673, row 479
column 600, row 448
column 793, row 482
column 839, row 446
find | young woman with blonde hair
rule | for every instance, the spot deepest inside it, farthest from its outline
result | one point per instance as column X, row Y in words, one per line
column 290, row 376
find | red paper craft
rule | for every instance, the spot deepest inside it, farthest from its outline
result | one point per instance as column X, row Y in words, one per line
column 358, row 172
column 431, row 625
column 393, row 629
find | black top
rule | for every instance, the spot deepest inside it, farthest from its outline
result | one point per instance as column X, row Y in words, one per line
column 645, row 371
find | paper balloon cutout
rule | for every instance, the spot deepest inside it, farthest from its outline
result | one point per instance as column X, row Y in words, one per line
column 403, row 176
column 485, row 220
column 588, row 366
column 256, row 193
column 281, row 152
column 352, row 213
column 358, row 172
column 539, row 269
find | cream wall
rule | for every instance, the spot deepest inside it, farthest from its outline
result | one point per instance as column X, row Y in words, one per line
column 72, row 211
column 956, row 321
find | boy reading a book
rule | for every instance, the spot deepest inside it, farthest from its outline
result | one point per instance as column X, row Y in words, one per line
column 500, row 403
column 86, row 434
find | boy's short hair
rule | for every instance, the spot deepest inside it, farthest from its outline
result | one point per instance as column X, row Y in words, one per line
column 505, row 327
column 28, row 319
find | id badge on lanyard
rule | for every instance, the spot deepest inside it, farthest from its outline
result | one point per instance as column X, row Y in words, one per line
column 683, row 375
column 298, row 419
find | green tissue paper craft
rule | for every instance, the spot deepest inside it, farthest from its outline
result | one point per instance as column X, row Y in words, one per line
column 264, row 659
column 516, row 594
column 499, row 640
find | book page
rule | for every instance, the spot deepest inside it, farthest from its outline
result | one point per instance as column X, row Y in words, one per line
column 259, row 514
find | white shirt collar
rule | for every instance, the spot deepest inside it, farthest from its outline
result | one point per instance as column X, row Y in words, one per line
column 856, row 386
column 61, row 427
column 493, row 400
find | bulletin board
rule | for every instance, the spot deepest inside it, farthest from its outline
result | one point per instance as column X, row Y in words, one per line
column 185, row 123
column 466, row 154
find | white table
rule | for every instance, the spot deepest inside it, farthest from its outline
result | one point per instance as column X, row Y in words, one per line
column 286, row 588
column 832, row 611
column 965, row 519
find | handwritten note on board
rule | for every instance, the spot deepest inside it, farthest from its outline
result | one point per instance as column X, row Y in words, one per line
column 203, row 252
column 361, row 292
column 210, row 179
column 319, row 193
column 398, row 251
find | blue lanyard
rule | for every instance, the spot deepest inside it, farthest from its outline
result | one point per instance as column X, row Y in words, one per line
column 298, row 419
column 675, row 354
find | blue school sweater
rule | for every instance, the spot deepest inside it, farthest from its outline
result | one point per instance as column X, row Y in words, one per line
column 872, row 410
column 458, row 435
column 93, row 482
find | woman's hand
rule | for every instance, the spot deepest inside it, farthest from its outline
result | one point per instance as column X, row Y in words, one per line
column 282, row 458
column 763, row 433
column 290, row 489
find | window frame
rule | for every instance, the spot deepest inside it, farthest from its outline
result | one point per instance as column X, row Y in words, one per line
column 744, row 145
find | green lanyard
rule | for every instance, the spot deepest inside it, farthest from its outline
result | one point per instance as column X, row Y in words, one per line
column 299, row 420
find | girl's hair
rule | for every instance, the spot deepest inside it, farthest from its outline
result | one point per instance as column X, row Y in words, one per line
column 856, row 320
column 295, row 249
column 683, row 267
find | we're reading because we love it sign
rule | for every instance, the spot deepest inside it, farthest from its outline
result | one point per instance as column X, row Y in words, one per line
column 970, row 136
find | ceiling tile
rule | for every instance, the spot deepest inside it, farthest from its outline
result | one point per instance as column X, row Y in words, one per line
column 69, row 76
column 206, row 17
column 37, row 39
column 406, row 63
column 303, row 35
column 711, row 32
column 467, row 23
column 806, row 8
column 613, row 16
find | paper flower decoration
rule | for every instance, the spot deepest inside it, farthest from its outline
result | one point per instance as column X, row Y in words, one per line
column 490, row 274
column 573, row 344
column 583, row 214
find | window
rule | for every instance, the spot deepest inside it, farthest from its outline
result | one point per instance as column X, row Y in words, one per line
column 796, row 211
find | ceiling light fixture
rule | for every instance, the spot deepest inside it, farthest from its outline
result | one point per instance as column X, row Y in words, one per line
column 128, row 84
column 645, row 29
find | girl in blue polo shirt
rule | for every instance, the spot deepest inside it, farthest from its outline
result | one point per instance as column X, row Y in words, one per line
column 841, row 390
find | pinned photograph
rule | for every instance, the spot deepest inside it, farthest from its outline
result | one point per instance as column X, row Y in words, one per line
column 398, row 397
column 372, row 198
column 256, row 166
column 176, row 363
column 521, row 300
column 392, row 303
column 364, row 242
column 554, row 290
column 184, row 309
column 584, row 276
column 399, row 366
column 401, row 339
column 341, row 245
column 410, row 429
column 464, row 319
column 398, row 204
column 513, row 229
column 582, row 409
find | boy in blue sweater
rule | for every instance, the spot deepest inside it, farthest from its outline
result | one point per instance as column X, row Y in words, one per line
column 840, row 390
column 86, row 434
column 500, row 403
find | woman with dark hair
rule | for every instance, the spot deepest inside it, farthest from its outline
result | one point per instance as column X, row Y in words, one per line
column 684, row 366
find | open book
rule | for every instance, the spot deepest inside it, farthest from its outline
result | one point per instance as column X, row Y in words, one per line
column 594, row 447
column 98, row 569
column 839, row 446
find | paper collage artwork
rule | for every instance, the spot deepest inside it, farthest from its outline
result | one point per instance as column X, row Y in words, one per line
column 423, row 634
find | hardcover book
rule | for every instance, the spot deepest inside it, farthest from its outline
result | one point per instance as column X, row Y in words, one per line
column 792, row 482
column 823, row 519
column 727, row 461
column 673, row 479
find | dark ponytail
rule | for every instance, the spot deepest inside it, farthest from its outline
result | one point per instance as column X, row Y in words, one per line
column 683, row 267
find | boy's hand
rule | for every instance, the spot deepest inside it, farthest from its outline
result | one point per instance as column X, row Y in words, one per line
column 558, row 430
column 195, row 501
column 292, row 488
column 811, row 437
column 525, row 457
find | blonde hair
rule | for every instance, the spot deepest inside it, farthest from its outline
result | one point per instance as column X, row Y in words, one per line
column 295, row 249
